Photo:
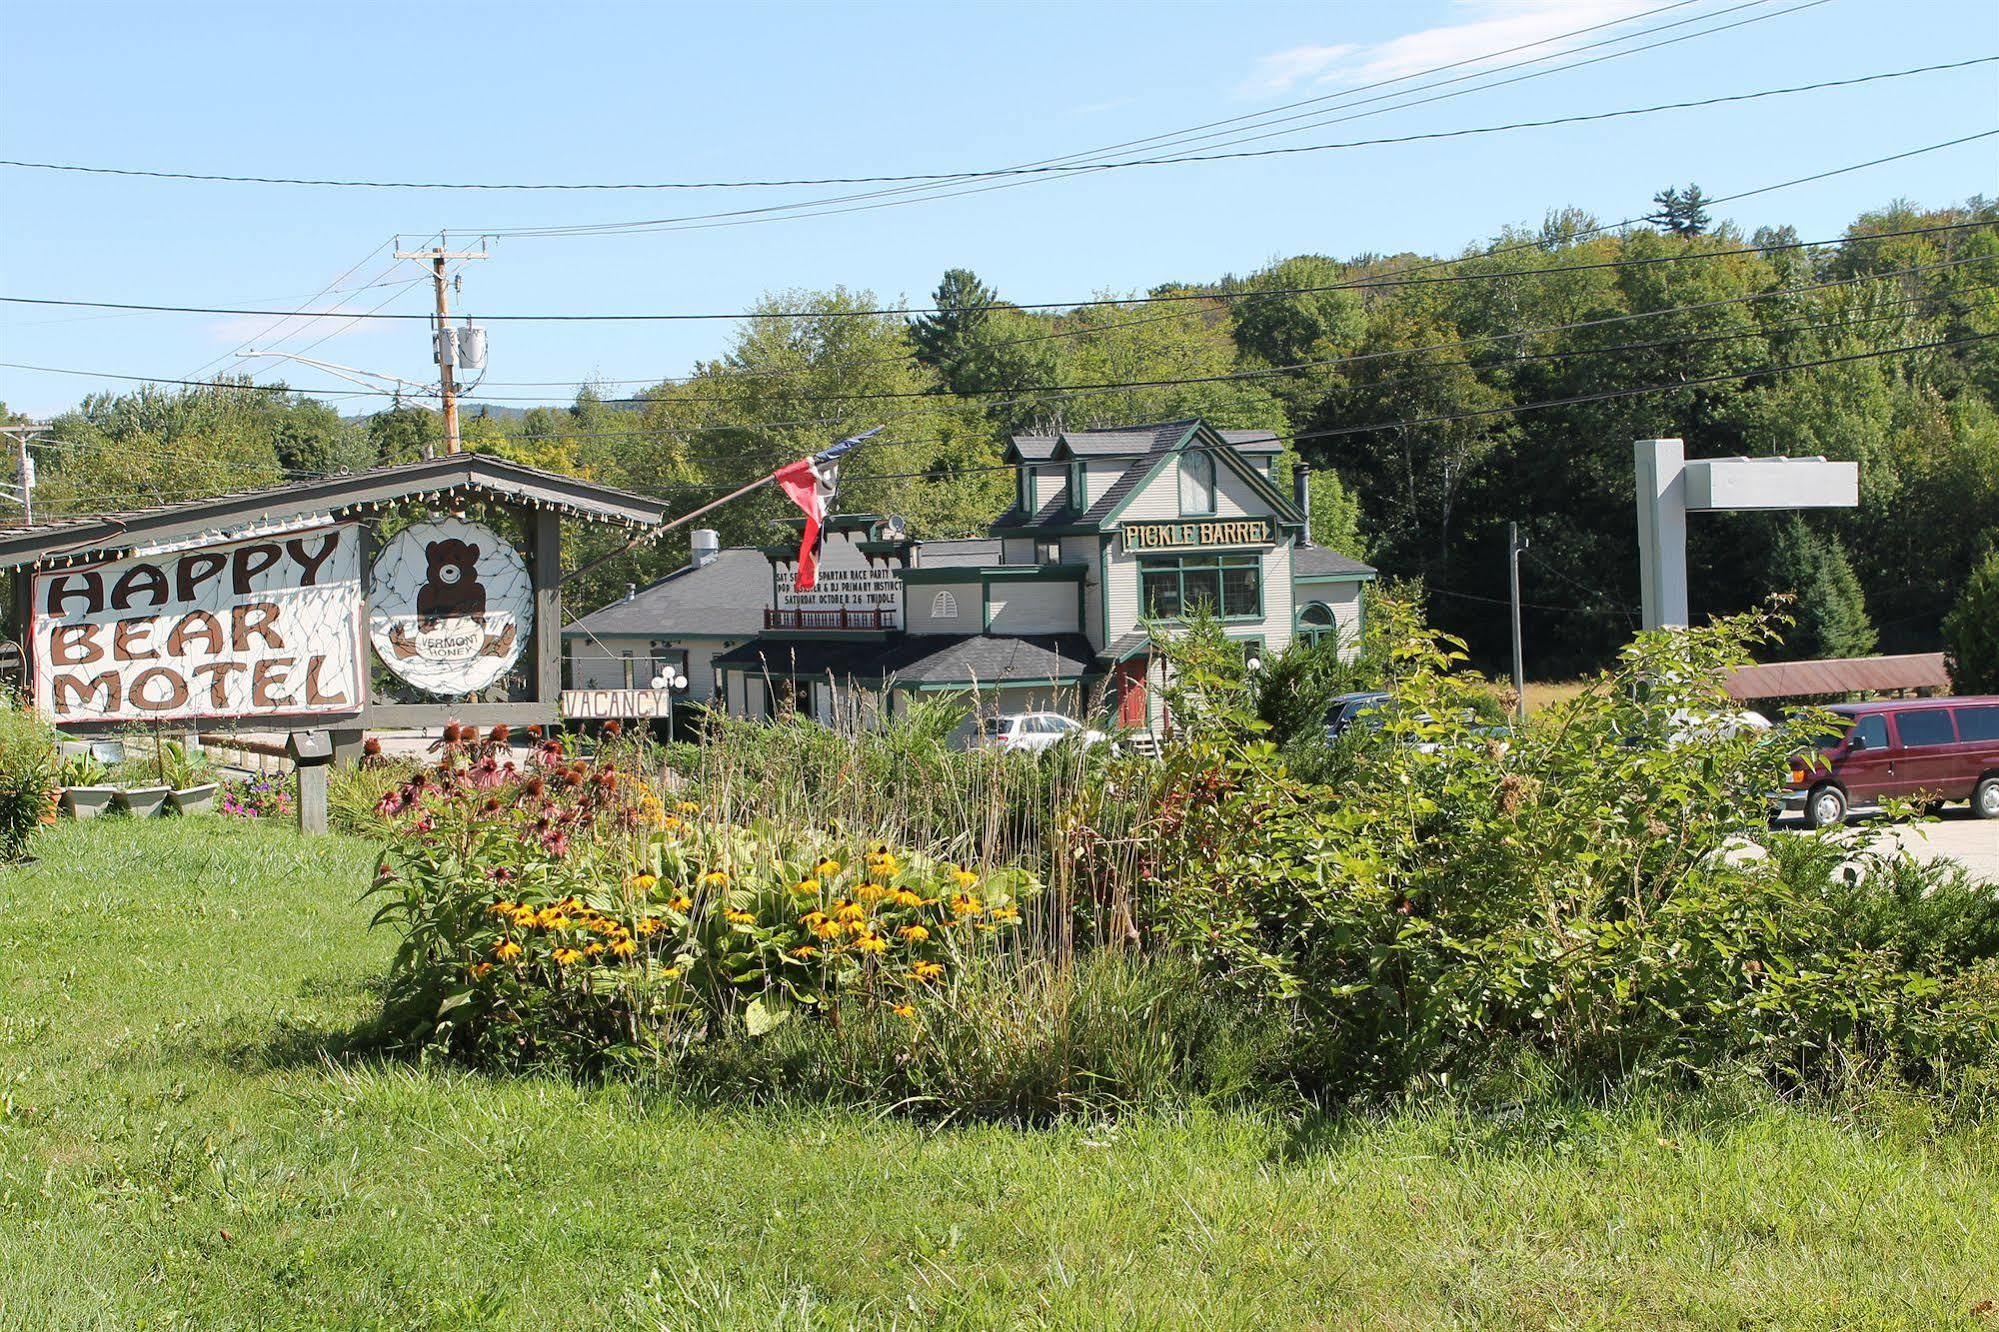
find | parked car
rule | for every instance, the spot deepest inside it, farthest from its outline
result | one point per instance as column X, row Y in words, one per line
column 1032, row 731
column 1938, row 749
column 1349, row 708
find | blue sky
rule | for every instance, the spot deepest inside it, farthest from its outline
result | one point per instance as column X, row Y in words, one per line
column 620, row 92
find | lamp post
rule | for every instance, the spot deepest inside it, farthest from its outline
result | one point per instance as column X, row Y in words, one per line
column 673, row 682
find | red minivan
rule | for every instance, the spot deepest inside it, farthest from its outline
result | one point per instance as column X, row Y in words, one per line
column 1929, row 749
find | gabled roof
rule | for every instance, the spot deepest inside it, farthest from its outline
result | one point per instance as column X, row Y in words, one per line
column 726, row 597
column 218, row 515
column 1142, row 449
column 986, row 660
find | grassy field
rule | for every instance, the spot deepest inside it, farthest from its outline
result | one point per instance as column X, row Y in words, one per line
column 183, row 1145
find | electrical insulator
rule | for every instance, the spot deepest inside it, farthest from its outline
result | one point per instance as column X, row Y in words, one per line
column 472, row 347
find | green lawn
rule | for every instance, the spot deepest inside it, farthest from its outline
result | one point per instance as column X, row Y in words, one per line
column 178, row 1150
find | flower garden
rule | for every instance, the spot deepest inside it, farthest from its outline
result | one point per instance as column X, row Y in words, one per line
column 855, row 1030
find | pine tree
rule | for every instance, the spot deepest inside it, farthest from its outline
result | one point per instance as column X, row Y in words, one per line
column 1682, row 212
column 963, row 304
column 1971, row 630
column 1830, row 610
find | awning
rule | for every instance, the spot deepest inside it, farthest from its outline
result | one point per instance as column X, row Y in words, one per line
column 1839, row 675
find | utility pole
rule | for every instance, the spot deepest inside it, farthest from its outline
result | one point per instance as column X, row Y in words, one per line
column 1514, row 546
column 437, row 257
column 26, row 486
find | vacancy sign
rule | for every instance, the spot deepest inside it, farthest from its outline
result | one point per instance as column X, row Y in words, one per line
column 261, row 628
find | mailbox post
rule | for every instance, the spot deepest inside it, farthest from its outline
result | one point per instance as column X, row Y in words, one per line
column 311, row 753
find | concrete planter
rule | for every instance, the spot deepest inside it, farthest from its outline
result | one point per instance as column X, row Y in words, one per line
column 142, row 802
column 195, row 799
column 87, row 802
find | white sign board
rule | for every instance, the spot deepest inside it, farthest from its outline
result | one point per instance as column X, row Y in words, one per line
column 246, row 629
column 449, row 606
column 858, row 589
column 605, row 704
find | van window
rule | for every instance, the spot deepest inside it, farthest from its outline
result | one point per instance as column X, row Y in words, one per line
column 1978, row 723
column 1929, row 726
column 1870, row 732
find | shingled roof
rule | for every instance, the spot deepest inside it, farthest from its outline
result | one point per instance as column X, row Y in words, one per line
column 1141, row 446
column 725, row 597
column 924, row 659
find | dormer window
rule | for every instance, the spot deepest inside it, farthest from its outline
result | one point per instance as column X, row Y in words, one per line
column 1197, row 482
column 1028, row 502
column 1076, row 493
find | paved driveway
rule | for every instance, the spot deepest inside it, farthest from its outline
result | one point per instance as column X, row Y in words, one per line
column 1954, row 835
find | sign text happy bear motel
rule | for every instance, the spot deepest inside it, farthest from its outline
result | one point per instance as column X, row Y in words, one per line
column 255, row 628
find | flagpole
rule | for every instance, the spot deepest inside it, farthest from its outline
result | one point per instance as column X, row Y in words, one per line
column 652, row 532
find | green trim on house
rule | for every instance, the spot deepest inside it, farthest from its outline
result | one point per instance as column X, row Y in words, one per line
column 1284, row 514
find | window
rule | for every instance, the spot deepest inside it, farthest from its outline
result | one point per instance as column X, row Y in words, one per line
column 1049, row 552
column 1076, row 492
column 1927, row 726
column 1978, row 723
column 1197, row 482
column 944, row 606
column 1870, row 732
column 1028, row 503
column 1316, row 623
column 1230, row 586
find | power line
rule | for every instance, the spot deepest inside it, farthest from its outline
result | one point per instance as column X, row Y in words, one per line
column 935, row 473
column 904, row 195
column 1042, row 393
column 1090, row 303
column 1047, row 166
column 1090, row 331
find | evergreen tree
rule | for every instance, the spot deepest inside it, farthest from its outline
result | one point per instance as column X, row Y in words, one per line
column 1682, row 212
column 1971, row 630
column 1830, row 610
column 963, row 305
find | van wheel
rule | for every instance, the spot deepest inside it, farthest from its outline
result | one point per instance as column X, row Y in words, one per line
column 1826, row 808
column 1985, row 800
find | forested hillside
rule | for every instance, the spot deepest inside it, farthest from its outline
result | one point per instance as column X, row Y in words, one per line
column 1439, row 399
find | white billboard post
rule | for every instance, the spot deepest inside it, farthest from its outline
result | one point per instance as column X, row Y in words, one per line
column 1670, row 487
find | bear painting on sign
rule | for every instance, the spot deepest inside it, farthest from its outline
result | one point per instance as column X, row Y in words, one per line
column 452, row 590
column 450, row 606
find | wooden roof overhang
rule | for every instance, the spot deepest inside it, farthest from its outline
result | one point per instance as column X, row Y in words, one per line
column 219, row 517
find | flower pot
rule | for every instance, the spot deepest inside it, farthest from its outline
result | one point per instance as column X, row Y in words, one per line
column 195, row 799
column 142, row 802
column 87, row 802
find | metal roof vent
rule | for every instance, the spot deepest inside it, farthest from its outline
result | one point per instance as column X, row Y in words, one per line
column 705, row 546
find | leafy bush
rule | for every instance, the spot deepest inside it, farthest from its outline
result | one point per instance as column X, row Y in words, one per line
column 28, row 777
column 563, row 915
column 354, row 794
column 1587, row 888
column 83, row 769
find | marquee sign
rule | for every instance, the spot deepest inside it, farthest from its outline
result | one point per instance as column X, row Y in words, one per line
column 1200, row 534
column 245, row 629
column 449, row 606
column 856, row 589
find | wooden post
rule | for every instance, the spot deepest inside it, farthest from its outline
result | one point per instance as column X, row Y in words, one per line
column 312, row 755
column 545, row 575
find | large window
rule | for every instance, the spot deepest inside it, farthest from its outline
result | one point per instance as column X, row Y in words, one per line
column 1316, row 623
column 1227, row 585
column 1928, row 726
column 1197, row 483
column 1978, row 723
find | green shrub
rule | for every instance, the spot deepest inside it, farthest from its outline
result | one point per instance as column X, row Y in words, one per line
column 28, row 777
column 1585, row 888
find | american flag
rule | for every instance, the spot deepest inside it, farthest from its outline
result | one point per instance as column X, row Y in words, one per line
column 813, row 484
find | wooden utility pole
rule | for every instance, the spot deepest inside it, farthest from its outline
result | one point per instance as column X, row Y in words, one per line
column 446, row 370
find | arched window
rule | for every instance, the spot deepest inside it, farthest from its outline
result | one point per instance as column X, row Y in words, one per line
column 1197, row 482
column 944, row 606
column 1316, row 623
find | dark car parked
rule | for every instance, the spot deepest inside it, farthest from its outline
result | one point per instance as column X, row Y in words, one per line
column 1921, row 748
column 1348, row 708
